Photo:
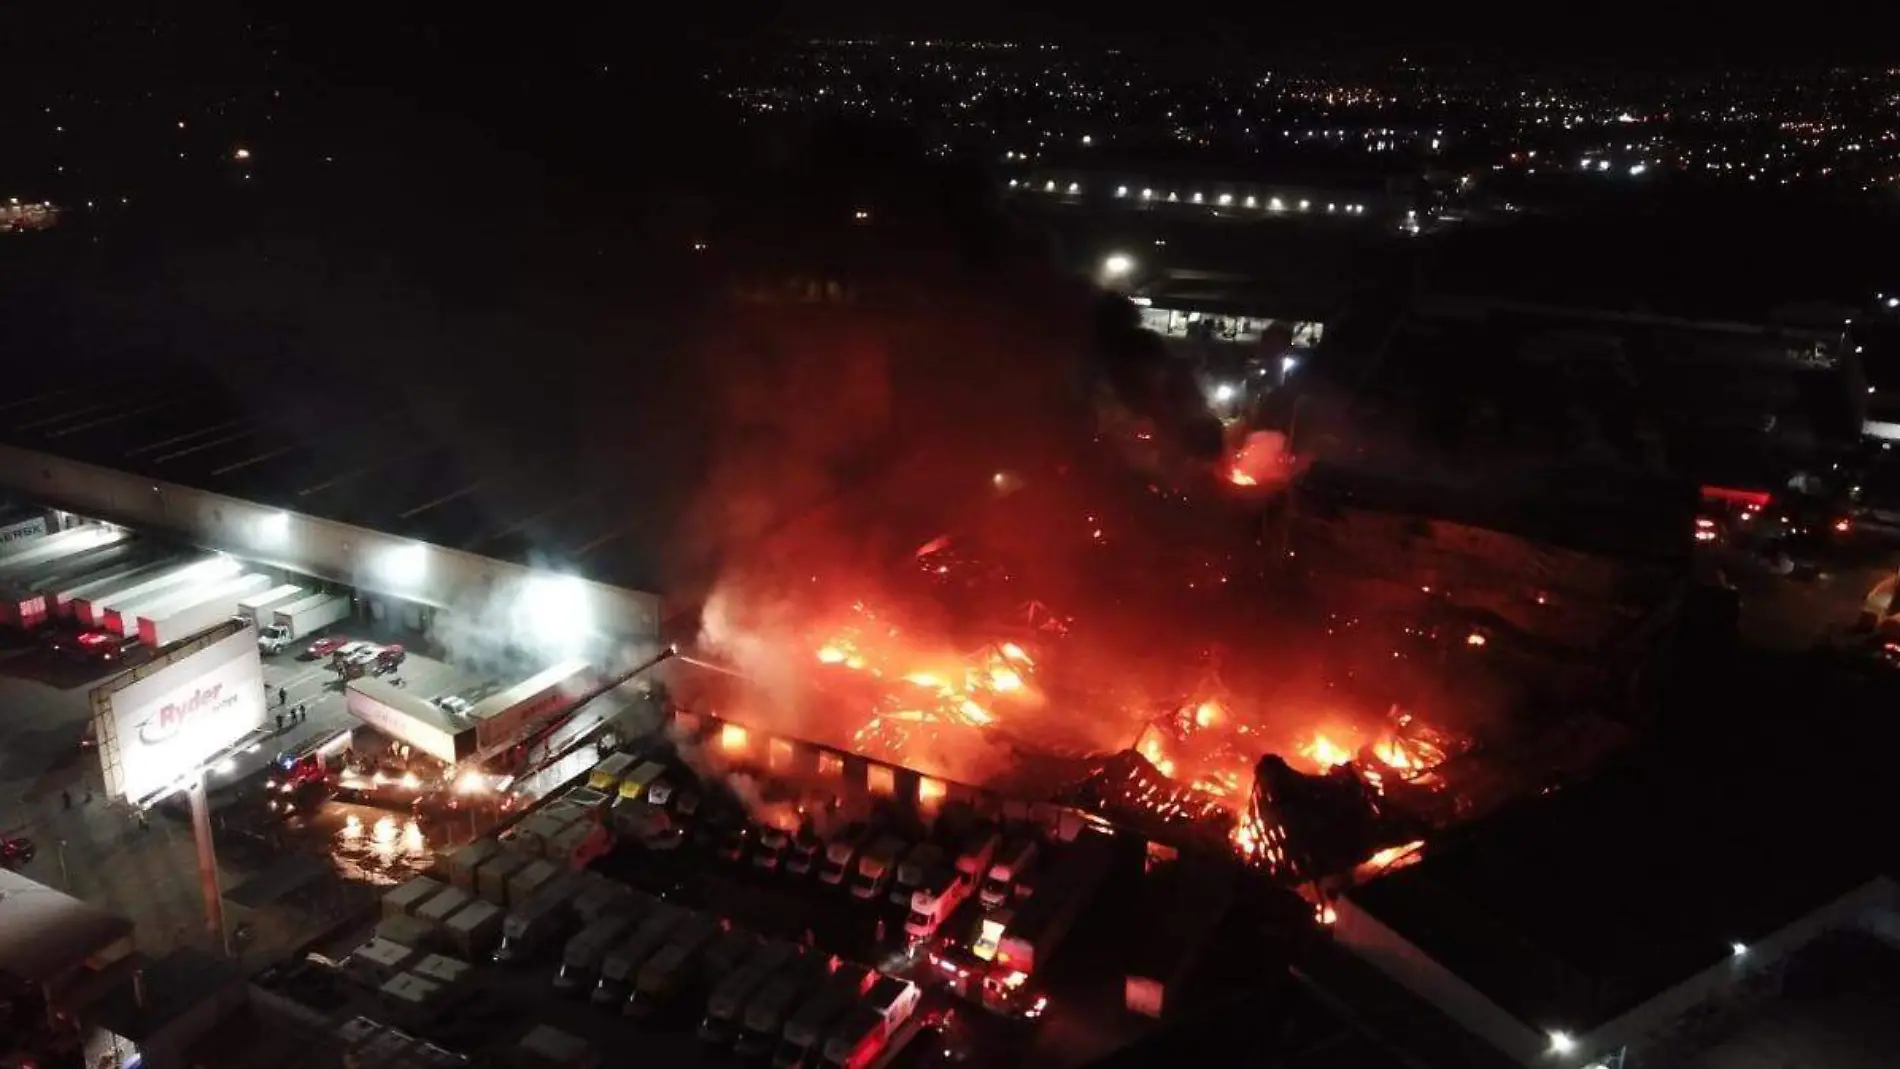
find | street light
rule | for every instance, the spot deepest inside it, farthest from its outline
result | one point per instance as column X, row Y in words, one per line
column 1118, row 265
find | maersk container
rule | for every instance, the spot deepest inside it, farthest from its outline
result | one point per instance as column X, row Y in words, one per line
column 187, row 615
column 63, row 544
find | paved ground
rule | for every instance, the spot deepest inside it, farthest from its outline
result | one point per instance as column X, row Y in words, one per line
column 148, row 874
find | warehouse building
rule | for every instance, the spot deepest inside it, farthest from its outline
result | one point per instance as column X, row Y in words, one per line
column 427, row 539
column 1630, row 923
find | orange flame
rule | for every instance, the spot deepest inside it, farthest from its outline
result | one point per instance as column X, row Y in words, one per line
column 1325, row 753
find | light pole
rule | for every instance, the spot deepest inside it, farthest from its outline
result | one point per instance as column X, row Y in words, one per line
column 65, row 878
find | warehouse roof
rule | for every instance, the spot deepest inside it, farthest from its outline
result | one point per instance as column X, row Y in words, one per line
column 1583, row 905
column 45, row 933
column 357, row 456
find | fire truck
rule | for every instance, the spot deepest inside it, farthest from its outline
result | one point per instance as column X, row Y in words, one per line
column 305, row 777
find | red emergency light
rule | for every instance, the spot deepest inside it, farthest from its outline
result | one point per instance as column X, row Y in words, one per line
column 1753, row 498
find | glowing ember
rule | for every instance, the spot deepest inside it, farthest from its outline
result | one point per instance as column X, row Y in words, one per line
column 1263, row 459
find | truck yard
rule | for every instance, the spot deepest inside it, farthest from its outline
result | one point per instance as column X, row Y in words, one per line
column 701, row 948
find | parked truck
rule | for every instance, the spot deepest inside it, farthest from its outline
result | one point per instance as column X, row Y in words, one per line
column 288, row 623
column 463, row 864
column 875, row 867
column 919, row 863
column 763, row 1023
column 123, row 574
column 533, row 927
column 607, row 775
column 841, row 853
column 257, row 607
column 667, row 971
column 729, row 998
column 187, row 614
column 1011, row 863
column 474, row 930
column 664, row 988
column 799, row 1041
column 943, row 890
column 491, row 880
column 25, row 598
column 622, row 964
column 91, row 609
column 528, row 881
column 865, row 1032
column 1039, row 926
column 587, row 948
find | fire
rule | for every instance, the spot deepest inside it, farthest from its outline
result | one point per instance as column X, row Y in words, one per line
column 960, row 691
column 1206, row 714
column 1241, row 478
column 1393, row 754
column 1325, row 753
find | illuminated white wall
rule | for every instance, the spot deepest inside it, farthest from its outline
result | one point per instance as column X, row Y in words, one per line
column 371, row 561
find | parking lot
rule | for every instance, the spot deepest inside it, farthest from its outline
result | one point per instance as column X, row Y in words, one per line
column 99, row 850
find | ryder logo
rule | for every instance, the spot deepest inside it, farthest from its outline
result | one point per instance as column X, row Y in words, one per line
column 172, row 717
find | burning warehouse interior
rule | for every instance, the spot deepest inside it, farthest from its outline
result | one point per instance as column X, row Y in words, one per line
column 1006, row 540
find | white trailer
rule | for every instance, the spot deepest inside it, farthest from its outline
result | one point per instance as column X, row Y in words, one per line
column 24, row 597
column 257, row 607
column 106, row 613
column 189, row 614
column 108, row 586
column 63, row 544
column 503, row 719
column 288, row 623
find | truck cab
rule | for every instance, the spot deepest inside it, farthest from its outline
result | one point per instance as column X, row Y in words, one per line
column 619, row 970
column 841, row 852
column 726, row 1006
column 804, row 1032
column 803, row 855
column 580, row 964
column 976, row 853
column 668, row 970
column 999, row 886
column 919, row 863
column 932, row 903
column 764, row 1021
column 665, row 985
column 768, row 853
column 876, row 867
column 540, row 921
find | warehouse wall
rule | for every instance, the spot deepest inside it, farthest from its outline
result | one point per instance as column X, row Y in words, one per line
column 371, row 561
